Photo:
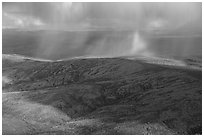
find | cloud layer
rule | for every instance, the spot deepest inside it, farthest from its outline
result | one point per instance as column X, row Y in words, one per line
column 149, row 17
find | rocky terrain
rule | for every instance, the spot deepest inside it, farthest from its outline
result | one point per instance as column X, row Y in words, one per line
column 101, row 96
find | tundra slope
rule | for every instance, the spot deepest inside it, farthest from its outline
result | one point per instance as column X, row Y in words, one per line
column 100, row 96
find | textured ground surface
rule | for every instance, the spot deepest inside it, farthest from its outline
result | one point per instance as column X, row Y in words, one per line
column 101, row 96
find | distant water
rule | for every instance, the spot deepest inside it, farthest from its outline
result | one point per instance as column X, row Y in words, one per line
column 67, row 44
column 176, row 46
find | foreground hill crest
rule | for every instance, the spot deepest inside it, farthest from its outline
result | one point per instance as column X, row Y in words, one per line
column 101, row 96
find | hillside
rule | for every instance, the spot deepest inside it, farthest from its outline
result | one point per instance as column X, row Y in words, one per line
column 101, row 96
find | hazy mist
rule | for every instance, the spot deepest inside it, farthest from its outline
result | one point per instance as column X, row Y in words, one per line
column 63, row 30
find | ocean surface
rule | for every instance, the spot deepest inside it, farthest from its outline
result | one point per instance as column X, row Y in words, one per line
column 67, row 44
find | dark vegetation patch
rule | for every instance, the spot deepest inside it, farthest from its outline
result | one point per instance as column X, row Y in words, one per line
column 113, row 91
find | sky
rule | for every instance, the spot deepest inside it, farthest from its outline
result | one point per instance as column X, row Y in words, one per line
column 105, row 29
column 150, row 18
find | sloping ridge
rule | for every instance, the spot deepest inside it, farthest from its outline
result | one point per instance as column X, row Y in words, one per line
column 101, row 96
